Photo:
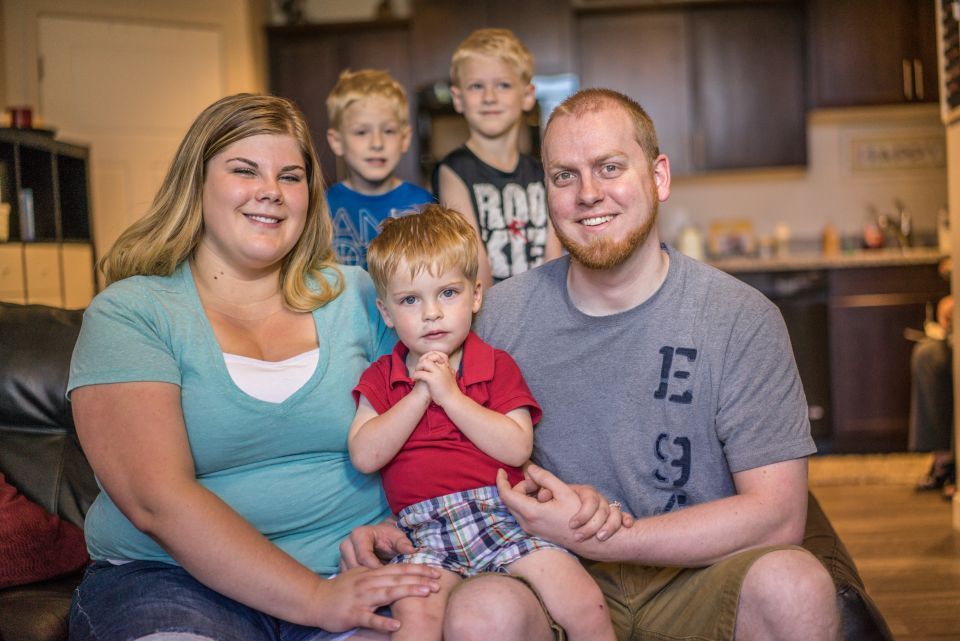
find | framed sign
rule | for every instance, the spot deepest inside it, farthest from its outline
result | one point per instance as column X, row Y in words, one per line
column 948, row 45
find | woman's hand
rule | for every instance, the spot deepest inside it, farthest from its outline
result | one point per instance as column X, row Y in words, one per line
column 350, row 600
column 370, row 545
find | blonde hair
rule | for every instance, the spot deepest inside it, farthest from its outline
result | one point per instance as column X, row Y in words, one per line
column 593, row 100
column 436, row 239
column 502, row 44
column 173, row 225
column 357, row 85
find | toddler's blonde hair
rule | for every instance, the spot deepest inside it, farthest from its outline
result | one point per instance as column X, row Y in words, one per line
column 436, row 239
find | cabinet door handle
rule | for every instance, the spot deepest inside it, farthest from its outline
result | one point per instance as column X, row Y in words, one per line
column 918, row 78
column 907, row 79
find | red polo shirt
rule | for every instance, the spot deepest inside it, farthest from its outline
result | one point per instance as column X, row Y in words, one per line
column 438, row 459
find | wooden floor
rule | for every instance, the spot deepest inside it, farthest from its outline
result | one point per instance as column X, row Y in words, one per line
column 907, row 552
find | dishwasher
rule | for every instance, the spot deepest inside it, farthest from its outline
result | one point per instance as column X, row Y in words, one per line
column 801, row 296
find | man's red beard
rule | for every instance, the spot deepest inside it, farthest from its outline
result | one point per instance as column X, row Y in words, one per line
column 604, row 253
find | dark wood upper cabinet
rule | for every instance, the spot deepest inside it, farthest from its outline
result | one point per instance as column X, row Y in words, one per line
column 305, row 62
column 872, row 52
column 438, row 26
column 724, row 85
column 643, row 54
column 747, row 79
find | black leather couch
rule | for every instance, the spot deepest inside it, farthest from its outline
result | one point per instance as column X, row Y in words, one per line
column 40, row 456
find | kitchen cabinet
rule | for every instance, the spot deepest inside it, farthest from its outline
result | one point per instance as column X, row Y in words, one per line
column 846, row 322
column 45, row 181
column 438, row 26
column 801, row 296
column 869, row 308
column 871, row 52
column 643, row 54
column 724, row 85
column 305, row 62
column 748, row 94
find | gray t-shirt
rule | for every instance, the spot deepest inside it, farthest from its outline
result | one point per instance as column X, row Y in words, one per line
column 656, row 406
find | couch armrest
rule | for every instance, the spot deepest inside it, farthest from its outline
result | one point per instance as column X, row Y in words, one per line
column 39, row 452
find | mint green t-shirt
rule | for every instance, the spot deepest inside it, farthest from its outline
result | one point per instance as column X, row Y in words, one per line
column 284, row 466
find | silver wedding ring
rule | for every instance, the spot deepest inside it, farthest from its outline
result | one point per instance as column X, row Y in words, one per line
column 614, row 505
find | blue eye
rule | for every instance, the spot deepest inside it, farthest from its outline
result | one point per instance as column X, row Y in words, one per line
column 408, row 300
column 448, row 293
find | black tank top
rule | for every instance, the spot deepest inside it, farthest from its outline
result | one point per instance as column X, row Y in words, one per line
column 511, row 209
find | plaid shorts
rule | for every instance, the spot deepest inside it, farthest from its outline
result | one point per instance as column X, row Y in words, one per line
column 466, row 532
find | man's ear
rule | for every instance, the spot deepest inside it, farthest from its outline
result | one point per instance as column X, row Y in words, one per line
column 335, row 140
column 457, row 98
column 386, row 314
column 661, row 177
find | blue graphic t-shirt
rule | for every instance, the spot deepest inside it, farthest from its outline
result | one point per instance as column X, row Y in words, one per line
column 357, row 217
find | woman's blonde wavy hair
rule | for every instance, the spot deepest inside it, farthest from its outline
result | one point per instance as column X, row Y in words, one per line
column 172, row 227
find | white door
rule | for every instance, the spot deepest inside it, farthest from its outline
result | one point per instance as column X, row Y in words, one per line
column 130, row 90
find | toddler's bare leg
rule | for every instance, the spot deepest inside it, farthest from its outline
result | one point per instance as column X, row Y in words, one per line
column 572, row 597
column 421, row 618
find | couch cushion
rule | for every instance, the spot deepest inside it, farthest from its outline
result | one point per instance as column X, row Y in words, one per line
column 34, row 544
column 37, row 612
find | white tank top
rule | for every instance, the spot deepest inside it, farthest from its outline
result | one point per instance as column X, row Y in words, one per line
column 273, row 382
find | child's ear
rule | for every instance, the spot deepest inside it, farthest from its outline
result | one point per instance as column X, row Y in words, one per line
column 477, row 296
column 405, row 142
column 335, row 140
column 383, row 312
column 457, row 98
column 529, row 97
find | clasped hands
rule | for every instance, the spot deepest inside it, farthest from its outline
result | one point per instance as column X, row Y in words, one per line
column 434, row 379
column 574, row 516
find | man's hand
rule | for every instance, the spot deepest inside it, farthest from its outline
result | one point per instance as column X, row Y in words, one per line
column 370, row 545
column 547, row 507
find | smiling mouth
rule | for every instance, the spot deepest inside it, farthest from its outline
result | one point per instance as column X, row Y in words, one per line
column 596, row 220
column 266, row 220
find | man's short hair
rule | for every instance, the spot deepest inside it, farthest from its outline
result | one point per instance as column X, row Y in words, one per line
column 502, row 44
column 592, row 100
column 357, row 85
column 436, row 239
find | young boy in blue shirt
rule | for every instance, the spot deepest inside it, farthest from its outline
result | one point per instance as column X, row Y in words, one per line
column 439, row 417
column 499, row 190
column 370, row 131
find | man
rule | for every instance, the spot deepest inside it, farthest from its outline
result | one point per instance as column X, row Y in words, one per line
column 669, row 386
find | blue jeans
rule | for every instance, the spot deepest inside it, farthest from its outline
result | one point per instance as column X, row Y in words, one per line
column 142, row 598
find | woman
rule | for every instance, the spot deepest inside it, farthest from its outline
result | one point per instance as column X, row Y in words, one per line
column 211, row 392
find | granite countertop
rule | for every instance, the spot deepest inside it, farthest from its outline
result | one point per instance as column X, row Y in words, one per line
column 843, row 260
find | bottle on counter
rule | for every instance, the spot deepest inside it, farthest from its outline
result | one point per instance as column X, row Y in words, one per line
column 690, row 242
column 781, row 239
column 830, row 240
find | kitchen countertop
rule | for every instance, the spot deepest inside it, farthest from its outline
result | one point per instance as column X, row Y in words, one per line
column 843, row 260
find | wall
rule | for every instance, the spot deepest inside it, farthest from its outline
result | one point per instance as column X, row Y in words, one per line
column 839, row 184
column 240, row 21
column 953, row 186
